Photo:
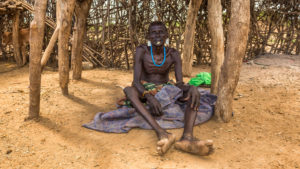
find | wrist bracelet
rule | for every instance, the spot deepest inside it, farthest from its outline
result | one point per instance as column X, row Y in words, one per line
column 145, row 92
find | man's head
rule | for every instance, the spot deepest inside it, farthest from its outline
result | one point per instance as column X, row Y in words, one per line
column 157, row 33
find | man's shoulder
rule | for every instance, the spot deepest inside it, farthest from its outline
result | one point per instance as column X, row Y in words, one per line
column 142, row 47
column 173, row 52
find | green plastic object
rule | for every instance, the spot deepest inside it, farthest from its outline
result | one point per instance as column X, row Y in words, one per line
column 203, row 78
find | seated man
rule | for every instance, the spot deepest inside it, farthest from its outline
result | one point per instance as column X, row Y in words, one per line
column 152, row 64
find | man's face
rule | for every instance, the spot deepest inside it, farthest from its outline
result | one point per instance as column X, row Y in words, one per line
column 158, row 35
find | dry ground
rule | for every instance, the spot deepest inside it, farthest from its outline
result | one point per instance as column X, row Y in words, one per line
column 264, row 133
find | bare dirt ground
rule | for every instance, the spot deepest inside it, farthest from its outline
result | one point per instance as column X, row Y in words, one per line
column 264, row 133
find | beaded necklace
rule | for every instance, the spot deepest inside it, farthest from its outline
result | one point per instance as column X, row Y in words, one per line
column 154, row 60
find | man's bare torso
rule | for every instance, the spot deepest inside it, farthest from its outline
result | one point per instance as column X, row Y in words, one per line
column 155, row 74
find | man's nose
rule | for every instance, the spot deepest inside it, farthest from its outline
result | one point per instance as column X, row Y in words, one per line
column 158, row 35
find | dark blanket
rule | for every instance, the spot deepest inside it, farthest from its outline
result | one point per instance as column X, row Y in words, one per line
column 124, row 118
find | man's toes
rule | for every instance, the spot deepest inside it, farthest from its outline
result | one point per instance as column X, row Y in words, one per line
column 162, row 142
column 211, row 150
column 159, row 150
column 209, row 142
column 177, row 144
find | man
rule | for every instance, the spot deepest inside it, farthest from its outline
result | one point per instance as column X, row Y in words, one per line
column 152, row 64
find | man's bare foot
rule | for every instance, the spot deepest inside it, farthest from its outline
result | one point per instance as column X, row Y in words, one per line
column 194, row 146
column 165, row 143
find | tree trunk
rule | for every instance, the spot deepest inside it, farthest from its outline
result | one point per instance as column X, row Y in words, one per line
column 81, row 14
column 238, row 30
column 65, row 18
column 189, row 36
column 217, row 41
column 15, row 38
column 36, row 43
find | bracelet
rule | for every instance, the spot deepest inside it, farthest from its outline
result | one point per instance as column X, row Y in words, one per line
column 145, row 92
column 179, row 84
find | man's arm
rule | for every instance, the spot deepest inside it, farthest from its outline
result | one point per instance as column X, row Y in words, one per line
column 190, row 92
column 178, row 71
column 137, row 73
column 138, row 68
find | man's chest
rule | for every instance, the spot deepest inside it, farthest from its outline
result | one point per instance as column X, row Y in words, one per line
column 157, row 64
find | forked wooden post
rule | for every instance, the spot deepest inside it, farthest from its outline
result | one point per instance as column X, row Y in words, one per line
column 215, row 22
column 36, row 43
column 189, row 36
column 81, row 14
column 235, row 50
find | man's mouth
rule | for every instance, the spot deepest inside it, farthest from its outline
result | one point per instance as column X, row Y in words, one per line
column 159, row 42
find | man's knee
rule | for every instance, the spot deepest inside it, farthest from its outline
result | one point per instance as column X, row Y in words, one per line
column 130, row 92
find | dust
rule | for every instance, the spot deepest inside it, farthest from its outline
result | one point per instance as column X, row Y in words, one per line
column 264, row 133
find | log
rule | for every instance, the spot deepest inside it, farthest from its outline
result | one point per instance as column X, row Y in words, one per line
column 50, row 47
column 36, row 43
column 12, row 6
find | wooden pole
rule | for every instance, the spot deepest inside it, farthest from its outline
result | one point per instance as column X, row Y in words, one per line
column 217, row 41
column 81, row 14
column 189, row 36
column 36, row 43
column 131, row 32
column 15, row 38
column 235, row 50
column 65, row 18
column 50, row 46
column 1, row 34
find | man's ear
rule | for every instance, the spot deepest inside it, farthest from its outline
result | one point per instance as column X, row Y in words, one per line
column 167, row 34
column 147, row 36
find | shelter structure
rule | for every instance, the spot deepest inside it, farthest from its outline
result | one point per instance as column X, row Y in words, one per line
column 13, row 8
column 215, row 30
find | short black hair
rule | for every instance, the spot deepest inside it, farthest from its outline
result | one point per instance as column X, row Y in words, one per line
column 157, row 23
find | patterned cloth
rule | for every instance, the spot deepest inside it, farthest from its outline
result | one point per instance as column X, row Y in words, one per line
column 125, row 118
column 151, row 88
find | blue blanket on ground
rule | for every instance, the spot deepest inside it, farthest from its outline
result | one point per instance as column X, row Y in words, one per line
column 124, row 118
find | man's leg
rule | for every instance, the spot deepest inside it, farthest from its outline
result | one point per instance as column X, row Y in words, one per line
column 165, row 139
column 188, row 142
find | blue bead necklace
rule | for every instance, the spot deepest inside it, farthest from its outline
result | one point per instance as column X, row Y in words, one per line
column 154, row 60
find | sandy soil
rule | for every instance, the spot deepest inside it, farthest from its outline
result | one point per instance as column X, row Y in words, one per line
column 264, row 133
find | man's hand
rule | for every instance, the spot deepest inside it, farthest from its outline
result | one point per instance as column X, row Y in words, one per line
column 193, row 94
column 155, row 106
